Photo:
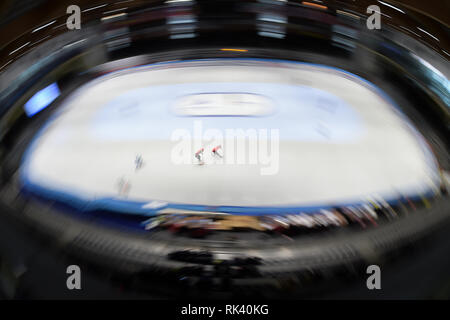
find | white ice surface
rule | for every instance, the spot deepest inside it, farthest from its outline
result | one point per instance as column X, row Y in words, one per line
column 339, row 140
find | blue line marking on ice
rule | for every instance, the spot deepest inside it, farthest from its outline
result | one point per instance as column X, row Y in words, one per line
column 298, row 111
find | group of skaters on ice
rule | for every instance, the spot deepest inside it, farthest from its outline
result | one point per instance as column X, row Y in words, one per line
column 124, row 185
column 216, row 152
column 199, row 155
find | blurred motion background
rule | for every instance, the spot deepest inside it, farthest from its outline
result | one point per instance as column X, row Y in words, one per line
column 164, row 258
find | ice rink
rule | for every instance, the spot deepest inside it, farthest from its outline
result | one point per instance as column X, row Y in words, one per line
column 340, row 141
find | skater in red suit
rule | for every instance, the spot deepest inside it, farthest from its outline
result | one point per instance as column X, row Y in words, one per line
column 199, row 156
column 217, row 151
